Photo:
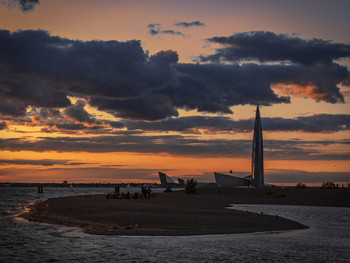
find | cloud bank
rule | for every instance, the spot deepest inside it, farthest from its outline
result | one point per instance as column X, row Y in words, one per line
column 266, row 46
column 324, row 123
column 178, row 145
column 42, row 162
column 38, row 70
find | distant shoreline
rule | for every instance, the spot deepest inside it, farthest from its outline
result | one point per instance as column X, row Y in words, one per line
column 179, row 214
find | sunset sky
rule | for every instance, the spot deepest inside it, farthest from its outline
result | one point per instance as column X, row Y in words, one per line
column 115, row 91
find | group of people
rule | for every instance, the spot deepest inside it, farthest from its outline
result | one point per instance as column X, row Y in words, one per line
column 146, row 193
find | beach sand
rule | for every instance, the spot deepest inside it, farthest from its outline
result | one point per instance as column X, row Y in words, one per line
column 176, row 213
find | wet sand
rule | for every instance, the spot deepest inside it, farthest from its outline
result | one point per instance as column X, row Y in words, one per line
column 176, row 213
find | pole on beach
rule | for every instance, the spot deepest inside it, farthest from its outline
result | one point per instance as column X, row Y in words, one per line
column 116, row 190
column 40, row 189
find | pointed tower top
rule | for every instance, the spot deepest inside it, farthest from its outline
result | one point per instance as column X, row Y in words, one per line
column 257, row 111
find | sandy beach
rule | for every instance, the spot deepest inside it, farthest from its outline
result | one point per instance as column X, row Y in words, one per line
column 176, row 213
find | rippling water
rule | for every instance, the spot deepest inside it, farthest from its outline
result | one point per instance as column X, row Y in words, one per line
column 328, row 239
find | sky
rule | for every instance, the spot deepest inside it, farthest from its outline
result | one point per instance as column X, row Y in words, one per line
column 115, row 91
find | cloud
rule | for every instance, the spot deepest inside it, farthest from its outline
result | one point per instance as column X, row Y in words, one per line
column 266, row 46
column 149, row 107
column 29, row 91
column 171, row 32
column 78, row 113
column 10, row 107
column 346, row 81
column 154, row 29
column 46, row 113
column 217, row 86
column 179, row 146
column 24, row 5
column 315, row 123
column 70, row 126
column 62, row 67
column 42, row 71
column 43, row 162
column 189, row 24
column 152, row 104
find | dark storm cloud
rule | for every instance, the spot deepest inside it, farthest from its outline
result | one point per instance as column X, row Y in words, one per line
column 216, row 87
column 24, row 5
column 315, row 123
column 190, row 24
column 43, row 162
column 46, row 113
column 100, row 69
column 29, row 91
column 70, row 126
column 149, row 107
column 39, row 70
column 78, row 113
column 12, row 108
column 177, row 145
column 267, row 46
column 116, row 124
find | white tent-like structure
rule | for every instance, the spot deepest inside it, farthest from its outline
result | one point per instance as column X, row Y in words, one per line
column 166, row 181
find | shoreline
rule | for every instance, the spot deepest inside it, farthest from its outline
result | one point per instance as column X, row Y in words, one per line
column 178, row 214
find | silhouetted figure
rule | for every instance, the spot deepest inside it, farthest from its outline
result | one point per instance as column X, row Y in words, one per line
column 135, row 195
column 149, row 192
column 116, row 190
column 144, row 192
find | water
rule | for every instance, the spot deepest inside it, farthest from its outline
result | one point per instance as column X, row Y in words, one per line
column 328, row 239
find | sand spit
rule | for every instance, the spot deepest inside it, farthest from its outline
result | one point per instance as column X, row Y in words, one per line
column 179, row 214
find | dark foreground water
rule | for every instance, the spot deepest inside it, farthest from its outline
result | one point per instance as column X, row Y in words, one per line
column 328, row 239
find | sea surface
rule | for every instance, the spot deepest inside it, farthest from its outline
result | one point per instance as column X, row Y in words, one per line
column 327, row 239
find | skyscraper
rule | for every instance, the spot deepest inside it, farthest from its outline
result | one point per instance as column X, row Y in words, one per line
column 257, row 152
column 257, row 176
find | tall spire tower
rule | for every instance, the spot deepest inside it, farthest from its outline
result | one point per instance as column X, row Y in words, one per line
column 257, row 152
